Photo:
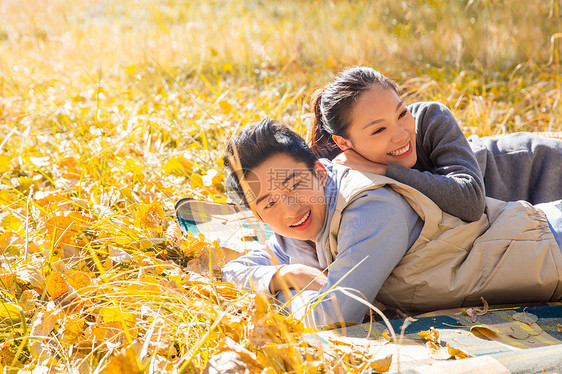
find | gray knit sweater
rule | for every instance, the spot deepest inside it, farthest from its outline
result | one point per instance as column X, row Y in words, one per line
column 449, row 168
column 446, row 170
column 520, row 166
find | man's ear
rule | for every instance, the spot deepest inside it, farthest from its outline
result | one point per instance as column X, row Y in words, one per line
column 344, row 144
column 321, row 172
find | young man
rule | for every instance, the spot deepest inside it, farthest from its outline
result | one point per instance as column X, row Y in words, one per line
column 340, row 232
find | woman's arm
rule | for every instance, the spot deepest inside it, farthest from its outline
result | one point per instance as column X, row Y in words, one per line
column 446, row 171
column 354, row 160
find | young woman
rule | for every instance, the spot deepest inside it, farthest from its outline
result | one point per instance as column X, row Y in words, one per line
column 361, row 122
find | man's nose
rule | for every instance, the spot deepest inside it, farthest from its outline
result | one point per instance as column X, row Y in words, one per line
column 292, row 205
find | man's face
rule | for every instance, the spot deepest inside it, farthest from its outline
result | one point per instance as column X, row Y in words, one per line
column 288, row 196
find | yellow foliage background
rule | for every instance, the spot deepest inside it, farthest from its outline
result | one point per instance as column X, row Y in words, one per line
column 110, row 111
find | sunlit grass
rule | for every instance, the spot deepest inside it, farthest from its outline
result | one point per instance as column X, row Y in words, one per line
column 110, row 111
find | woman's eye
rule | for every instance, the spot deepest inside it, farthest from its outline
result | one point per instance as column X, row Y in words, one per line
column 403, row 113
column 270, row 204
column 379, row 130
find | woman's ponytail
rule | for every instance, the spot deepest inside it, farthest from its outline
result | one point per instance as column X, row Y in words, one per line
column 319, row 139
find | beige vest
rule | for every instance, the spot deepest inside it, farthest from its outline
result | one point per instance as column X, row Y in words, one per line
column 508, row 256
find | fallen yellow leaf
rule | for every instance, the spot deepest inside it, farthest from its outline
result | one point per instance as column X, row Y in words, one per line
column 28, row 299
column 487, row 331
column 473, row 313
column 457, row 353
column 5, row 197
column 30, row 273
column 44, row 198
column 56, row 285
column 63, row 227
column 525, row 317
column 6, row 353
column 73, row 328
column 177, row 165
column 5, row 163
column 233, row 358
column 10, row 311
column 79, row 280
column 437, row 352
column 381, row 365
column 44, row 322
column 150, row 216
column 123, row 363
column 431, row 335
column 8, row 282
column 385, row 335
column 11, row 223
column 114, row 313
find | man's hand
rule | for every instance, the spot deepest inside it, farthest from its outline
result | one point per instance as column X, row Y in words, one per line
column 355, row 161
column 298, row 277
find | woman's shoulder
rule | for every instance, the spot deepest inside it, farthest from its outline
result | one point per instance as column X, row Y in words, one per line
column 433, row 119
column 428, row 107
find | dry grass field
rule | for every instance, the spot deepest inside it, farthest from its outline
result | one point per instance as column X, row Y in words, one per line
column 110, row 111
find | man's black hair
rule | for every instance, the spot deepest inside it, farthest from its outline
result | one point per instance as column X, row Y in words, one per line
column 258, row 142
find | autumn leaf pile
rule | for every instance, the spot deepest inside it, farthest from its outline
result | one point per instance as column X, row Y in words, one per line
column 112, row 111
column 96, row 274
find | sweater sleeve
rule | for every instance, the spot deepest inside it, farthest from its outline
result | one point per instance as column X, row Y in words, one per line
column 446, row 170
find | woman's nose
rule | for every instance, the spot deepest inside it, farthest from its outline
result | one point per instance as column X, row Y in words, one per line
column 400, row 134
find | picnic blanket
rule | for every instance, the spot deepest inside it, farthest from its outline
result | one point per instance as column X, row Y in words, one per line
column 230, row 225
column 503, row 339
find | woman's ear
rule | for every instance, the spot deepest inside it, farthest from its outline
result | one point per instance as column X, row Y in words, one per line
column 321, row 172
column 344, row 144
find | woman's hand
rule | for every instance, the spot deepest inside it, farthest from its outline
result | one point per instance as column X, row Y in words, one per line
column 297, row 276
column 355, row 161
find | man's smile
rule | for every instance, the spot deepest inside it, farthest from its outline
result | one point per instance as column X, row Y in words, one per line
column 303, row 222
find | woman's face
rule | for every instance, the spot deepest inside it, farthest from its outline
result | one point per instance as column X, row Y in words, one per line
column 382, row 129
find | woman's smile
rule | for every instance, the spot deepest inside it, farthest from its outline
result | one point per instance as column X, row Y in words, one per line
column 402, row 151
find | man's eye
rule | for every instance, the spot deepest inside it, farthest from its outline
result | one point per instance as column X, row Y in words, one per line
column 295, row 186
column 403, row 113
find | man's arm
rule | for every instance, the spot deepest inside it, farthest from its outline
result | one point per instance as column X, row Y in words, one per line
column 256, row 269
column 297, row 277
column 270, row 270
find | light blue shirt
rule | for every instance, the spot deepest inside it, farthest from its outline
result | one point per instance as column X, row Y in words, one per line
column 376, row 230
column 553, row 213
